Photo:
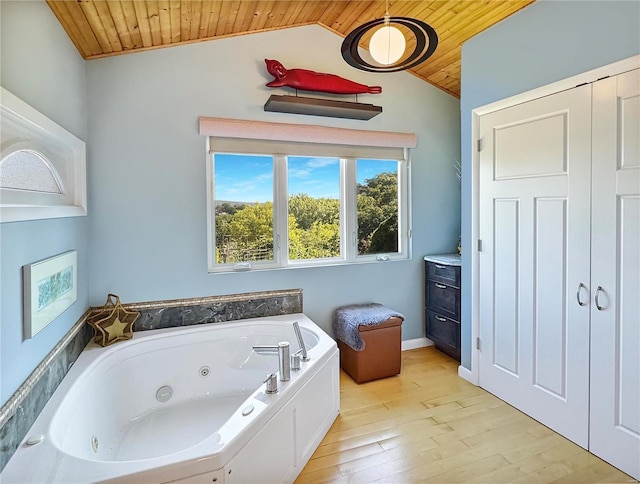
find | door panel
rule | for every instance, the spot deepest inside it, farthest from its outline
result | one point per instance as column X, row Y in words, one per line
column 548, row 158
column 505, row 321
column 615, row 327
column 628, row 333
column 535, row 231
column 550, row 319
column 629, row 114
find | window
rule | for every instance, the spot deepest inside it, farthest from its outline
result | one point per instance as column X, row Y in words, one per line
column 313, row 208
column 42, row 166
column 243, row 209
column 275, row 204
column 377, row 202
column 30, row 171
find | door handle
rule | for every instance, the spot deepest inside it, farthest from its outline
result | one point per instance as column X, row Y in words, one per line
column 598, row 291
column 580, row 287
column 440, row 286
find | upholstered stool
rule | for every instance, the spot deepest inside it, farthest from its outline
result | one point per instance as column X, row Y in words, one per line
column 374, row 352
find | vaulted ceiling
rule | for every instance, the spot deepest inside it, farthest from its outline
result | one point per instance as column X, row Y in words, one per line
column 100, row 28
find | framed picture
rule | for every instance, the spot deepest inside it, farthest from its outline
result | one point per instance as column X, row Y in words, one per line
column 50, row 288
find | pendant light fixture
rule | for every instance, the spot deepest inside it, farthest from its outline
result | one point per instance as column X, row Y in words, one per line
column 387, row 45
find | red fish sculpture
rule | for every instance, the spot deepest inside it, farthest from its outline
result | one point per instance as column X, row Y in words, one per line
column 306, row 80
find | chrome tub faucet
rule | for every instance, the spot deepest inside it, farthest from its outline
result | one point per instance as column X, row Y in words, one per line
column 284, row 358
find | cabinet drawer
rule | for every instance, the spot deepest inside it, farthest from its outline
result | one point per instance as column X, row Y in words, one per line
column 449, row 275
column 443, row 299
column 445, row 333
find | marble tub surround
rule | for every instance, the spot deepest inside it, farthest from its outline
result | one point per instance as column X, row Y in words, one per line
column 216, row 309
column 173, row 313
column 21, row 410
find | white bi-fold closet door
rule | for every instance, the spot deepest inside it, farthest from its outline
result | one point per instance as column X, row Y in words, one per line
column 559, row 270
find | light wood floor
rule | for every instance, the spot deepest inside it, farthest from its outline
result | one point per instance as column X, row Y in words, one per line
column 429, row 425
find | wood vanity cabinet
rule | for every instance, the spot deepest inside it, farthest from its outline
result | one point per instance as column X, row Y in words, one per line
column 442, row 303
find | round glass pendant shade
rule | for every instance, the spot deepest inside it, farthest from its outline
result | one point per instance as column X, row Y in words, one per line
column 387, row 45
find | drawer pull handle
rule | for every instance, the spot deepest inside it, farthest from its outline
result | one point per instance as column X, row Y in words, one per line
column 441, row 319
column 440, row 286
column 438, row 266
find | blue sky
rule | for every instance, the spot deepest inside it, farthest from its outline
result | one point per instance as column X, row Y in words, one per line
column 241, row 178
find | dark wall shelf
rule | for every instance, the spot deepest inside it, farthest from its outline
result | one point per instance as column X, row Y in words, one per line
column 321, row 107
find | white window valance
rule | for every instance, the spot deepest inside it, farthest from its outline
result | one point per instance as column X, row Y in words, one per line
column 303, row 133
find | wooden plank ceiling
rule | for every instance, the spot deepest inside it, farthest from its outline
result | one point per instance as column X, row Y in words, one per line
column 100, row 28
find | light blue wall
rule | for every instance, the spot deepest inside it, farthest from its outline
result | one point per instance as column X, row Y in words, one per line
column 543, row 43
column 147, row 182
column 40, row 65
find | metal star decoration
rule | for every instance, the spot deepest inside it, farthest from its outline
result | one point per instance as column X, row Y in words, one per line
column 116, row 325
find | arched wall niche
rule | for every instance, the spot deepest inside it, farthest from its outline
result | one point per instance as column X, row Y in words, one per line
column 42, row 165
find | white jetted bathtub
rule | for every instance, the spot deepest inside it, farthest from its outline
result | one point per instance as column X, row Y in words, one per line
column 186, row 405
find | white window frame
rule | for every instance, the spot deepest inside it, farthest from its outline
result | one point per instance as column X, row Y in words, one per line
column 348, row 216
column 25, row 129
column 404, row 216
column 315, row 136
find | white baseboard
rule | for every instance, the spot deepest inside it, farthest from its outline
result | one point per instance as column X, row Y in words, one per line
column 412, row 344
column 466, row 374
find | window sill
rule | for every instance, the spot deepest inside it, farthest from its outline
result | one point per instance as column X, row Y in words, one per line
column 313, row 265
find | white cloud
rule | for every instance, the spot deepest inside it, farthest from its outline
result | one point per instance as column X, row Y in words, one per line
column 322, row 162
